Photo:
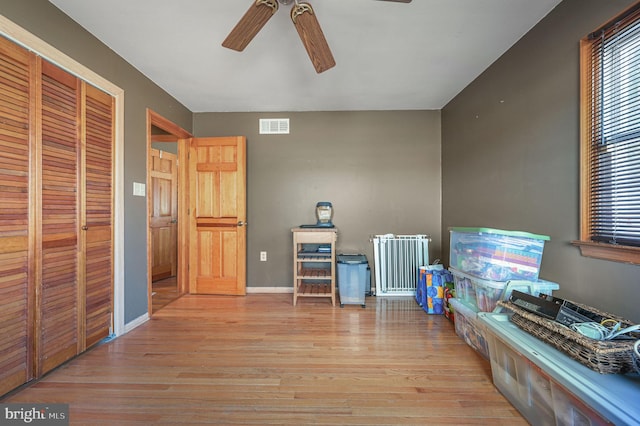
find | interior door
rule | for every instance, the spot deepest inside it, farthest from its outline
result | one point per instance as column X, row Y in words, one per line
column 16, row 192
column 97, row 212
column 56, row 215
column 164, row 214
column 217, row 189
column 59, row 305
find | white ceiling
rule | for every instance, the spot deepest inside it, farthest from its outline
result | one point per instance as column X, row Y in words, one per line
column 390, row 56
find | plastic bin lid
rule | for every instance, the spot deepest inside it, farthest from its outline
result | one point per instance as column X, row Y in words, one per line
column 537, row 284
column 499, row 232
column 352, row 258
column 464, row 308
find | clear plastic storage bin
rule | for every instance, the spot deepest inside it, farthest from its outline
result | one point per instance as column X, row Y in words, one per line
column 494, row 254
column 549, row 388
column 485, row 294
column 468, row 328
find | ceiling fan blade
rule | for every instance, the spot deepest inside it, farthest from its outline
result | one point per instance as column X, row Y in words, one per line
column 250, row 24
column 312, row 37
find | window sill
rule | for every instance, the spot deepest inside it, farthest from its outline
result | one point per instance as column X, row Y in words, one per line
column 611, row 252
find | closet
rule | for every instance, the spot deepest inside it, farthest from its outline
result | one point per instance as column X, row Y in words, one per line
column 56, row 217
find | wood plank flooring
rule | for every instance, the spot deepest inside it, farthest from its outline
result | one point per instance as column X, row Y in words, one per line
column 260, row 360
column 164, row 292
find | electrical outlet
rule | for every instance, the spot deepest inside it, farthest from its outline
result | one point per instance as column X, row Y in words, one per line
column 263, row 256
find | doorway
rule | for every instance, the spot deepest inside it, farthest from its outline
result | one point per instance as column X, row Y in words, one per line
column 166, row 206
column 163, row 222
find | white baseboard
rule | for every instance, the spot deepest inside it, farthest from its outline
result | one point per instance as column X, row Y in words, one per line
column 136, row 322
column 269, row 290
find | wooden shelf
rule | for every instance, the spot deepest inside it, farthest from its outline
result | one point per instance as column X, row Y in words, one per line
column 314, row 290
column 315, row 259
column 314, row 274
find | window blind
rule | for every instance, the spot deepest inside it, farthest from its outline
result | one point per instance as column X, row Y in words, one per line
column 614, row 154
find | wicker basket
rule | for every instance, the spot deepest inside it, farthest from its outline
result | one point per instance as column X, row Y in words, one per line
column 603, row 356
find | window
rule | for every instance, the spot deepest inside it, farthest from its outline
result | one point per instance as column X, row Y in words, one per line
column 610, row 140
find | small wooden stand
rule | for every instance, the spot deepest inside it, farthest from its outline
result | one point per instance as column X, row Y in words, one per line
column 314, row 272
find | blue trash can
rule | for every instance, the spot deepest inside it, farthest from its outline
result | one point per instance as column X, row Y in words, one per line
column 352, row 279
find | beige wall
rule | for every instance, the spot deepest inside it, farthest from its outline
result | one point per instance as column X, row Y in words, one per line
column 381, row 171
column 510, row 149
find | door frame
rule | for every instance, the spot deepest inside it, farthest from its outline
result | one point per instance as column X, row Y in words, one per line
column 182, row 137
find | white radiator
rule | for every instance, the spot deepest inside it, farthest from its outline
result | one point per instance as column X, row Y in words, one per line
column 397, row 261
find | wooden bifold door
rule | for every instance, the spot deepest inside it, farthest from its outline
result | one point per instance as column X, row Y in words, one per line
column 56, row 218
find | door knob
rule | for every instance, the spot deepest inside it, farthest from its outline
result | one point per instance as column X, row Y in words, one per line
column 241, row 223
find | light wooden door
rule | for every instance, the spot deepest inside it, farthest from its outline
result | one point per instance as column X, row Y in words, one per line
column 164, row 214
column 217, row 204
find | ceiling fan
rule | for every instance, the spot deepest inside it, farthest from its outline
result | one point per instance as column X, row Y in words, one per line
column 305, row 21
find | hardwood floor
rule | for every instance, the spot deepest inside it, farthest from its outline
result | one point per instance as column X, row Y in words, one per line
column 259, row 360
column 164, row 292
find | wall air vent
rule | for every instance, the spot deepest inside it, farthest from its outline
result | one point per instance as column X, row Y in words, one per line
column 274, row 126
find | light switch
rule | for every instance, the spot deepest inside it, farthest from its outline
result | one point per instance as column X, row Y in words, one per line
column 139, row 189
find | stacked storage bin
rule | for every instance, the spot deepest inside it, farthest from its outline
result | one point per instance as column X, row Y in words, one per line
column 487, row 265
column 498, row 255
column 549, row 388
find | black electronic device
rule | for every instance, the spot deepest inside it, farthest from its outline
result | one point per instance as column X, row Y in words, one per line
column 534, row 304
column 554, row 308
column 581, row 314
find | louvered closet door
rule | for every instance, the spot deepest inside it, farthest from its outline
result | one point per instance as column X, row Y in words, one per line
column 98, row 212
column 16, row 288
column 58, row 310
column 56, row 215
